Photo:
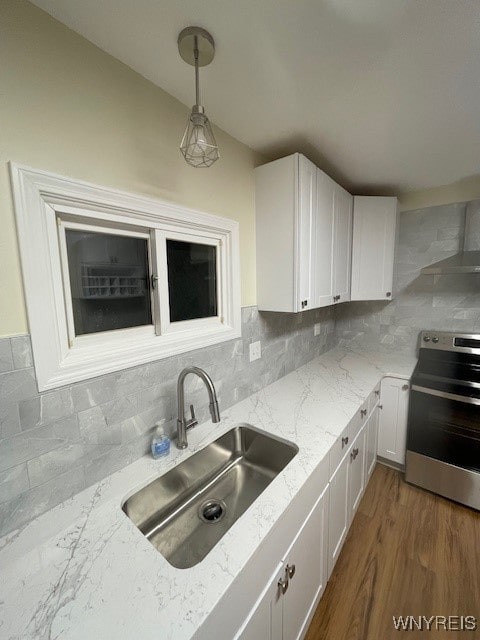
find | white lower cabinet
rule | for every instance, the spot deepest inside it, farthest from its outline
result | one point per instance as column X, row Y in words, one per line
column 356, row 478
column 307, row 559
column 346, row 490
column 266, row 620
column 392, row 424
column 288, row 602
column 371, row 437
column 338, row 512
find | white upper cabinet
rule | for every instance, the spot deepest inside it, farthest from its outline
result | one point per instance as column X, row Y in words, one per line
column 342, row 244
column 285, row 202
column 304, row 235
column 374, row 224
column 324, row 240
column 333, row 245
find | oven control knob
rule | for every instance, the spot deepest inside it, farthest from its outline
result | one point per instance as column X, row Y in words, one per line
column 435, row 339
column 426, row 338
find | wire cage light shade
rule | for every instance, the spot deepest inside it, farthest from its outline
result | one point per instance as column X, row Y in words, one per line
column 198, row 146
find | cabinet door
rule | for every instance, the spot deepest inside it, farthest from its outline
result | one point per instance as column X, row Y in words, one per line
column 374, row 223
column 371, row 443
column 265, row 620
column 338, row 512
column 305, row 233
column 342, row 244
column 324, row 240
column 276, row 202
column 392, row 424
column 356, row 476
column 308, row 555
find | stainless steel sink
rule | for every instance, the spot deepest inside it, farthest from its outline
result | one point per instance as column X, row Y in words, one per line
column 185, row 512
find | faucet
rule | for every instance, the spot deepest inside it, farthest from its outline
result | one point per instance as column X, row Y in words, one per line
column 182, row 423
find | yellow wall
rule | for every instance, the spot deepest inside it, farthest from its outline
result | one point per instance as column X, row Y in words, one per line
column 461, row 191
column 68, row 107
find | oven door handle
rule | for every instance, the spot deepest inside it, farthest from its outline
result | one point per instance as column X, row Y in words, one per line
column 445, row 394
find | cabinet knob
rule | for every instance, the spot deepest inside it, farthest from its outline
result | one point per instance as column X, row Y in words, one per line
column 304, row 304
column 389, row 294
column 405, row 387
column 344, row 441
column 283, row 584
column 290, row 570
column 354, row 454
column 363, row 412
column 380, row 406
column 377, row 392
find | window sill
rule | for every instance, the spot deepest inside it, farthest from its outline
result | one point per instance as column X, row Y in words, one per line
column 83, row 363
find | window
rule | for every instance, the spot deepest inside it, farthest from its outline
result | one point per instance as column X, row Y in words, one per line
column 113, row 280
column 192, row 280
column 108, row 278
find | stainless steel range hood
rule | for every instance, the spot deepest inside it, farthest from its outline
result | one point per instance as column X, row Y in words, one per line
column 468, row 260
column 464, row 262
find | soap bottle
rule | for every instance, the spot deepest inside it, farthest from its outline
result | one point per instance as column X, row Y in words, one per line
column 160, row 442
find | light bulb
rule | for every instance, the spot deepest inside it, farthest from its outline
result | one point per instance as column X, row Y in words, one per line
column 199, row 138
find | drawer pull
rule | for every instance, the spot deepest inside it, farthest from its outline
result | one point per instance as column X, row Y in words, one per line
column 354, row 454
column 344, row 441
column 283, row 584
column 290, row 570
column 363, row 412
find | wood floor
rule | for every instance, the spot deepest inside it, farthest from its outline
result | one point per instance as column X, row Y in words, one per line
column 408, row 552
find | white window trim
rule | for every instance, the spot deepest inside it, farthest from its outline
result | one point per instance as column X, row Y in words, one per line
column 38, row 197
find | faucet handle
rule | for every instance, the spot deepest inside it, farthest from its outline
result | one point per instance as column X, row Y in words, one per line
column 193, row 421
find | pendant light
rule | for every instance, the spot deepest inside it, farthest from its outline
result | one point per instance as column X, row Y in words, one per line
column 199, row 148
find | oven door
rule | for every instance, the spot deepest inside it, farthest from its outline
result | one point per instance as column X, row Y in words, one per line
column 445, row 426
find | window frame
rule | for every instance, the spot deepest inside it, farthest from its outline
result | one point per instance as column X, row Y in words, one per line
column 63, row 224
column 45, row 205
column 200, row 324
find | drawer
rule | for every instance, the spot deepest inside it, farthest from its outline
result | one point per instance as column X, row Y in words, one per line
column 374, row 398
column 344, row 442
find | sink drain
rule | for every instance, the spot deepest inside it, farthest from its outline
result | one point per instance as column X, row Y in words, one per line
column 212, row 511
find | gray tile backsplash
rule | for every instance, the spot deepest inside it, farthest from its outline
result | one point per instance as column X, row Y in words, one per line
column 444, row 303
column 54, row 444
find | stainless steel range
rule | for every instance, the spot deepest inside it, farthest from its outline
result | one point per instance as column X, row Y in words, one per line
column 443, row 435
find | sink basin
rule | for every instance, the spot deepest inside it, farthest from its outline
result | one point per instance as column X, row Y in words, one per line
column 185, row 512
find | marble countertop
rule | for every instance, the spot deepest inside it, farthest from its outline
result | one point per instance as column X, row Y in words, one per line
column 83, row 570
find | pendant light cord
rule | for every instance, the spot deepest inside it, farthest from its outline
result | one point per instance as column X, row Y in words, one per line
column 197, row 82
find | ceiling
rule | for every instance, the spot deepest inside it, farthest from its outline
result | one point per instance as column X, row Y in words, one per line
column 382, row 94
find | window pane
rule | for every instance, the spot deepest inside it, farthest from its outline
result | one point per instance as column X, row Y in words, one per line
column 109, row 280
column 192, row 280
